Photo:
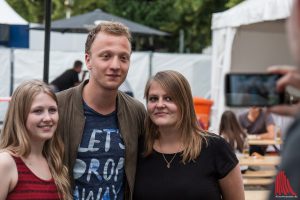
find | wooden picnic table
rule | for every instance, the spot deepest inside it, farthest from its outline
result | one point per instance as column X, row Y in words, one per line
column 258, row 181
column 259, row 174
column 259, row 161
column 264, row 142
column 256, row 194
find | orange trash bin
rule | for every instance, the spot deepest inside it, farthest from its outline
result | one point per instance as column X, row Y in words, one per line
column 202, row 108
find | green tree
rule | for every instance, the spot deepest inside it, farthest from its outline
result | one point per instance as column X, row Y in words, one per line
column 232, row 3
column 193, row 17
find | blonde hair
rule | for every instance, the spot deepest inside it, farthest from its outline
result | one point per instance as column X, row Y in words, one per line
column 109, row 27
column 14, row 136
column 178, row 88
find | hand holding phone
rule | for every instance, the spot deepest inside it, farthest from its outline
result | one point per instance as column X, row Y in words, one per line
column 290, row 82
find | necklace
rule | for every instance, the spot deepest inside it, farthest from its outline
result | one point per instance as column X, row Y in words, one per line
column 168, row 162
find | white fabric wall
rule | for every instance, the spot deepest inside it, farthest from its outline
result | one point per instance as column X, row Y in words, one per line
column 72, row 41
column 28, row 64
column 260, row 45
column 138, row 73
column 221, row 64
column 196, row 68
column 4, row 79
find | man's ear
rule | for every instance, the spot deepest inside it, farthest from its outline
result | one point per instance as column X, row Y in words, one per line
column 87, row 61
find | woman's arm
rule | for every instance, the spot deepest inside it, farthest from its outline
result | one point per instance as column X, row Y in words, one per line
column 8, row 174
column 232, row 185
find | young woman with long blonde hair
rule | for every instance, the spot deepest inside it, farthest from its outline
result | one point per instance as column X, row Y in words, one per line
column 31, row 150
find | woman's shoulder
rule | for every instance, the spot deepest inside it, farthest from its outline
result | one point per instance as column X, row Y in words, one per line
column 8, row 171
column 6, row 159
column 215, row 141
column 213, row 137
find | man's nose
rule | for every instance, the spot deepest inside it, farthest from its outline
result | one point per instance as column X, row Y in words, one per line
column 116, row 63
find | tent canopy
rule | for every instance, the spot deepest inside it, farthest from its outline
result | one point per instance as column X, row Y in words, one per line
column 247, row 38
column 9, row 16
column 83, row 23
column 252, row 11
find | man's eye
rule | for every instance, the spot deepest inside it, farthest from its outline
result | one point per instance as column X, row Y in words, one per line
column 105, row 56
column 124, row 58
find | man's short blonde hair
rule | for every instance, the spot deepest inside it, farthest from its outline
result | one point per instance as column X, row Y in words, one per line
column 108, row 27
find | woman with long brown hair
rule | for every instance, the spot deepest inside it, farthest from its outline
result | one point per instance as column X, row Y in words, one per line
column 231, row 131
column 31, row 150
column 178, row 160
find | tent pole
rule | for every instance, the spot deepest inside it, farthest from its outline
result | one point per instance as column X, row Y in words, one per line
column 47, row 39
column 150, row 63
column 12, row 58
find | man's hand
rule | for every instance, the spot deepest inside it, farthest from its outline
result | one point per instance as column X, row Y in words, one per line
column 291, row 77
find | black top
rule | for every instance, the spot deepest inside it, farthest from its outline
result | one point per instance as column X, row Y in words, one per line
column 193, row 180
column 66, row 80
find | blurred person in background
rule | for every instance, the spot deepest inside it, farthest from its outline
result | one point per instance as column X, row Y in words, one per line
column 177, row 159
column 232, row 132
column 290, row 155
column 68, row 79
column 31, row 149
column 259, row 125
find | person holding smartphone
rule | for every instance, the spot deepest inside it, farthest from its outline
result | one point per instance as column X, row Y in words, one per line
column 290, row 154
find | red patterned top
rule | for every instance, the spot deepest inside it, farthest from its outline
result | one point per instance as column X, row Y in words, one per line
column 29, row 186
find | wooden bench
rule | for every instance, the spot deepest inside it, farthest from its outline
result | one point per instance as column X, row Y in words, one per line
column 256, row 194
column 257, row 181
column 259, row 174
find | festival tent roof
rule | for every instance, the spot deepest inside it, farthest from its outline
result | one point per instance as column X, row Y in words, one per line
column 247, row 38
column 9, row 16
column 85, row 22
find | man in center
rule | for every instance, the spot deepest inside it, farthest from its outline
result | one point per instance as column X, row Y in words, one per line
column 99, row 124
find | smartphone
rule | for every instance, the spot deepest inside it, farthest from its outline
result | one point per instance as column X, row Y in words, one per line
column 252, row 89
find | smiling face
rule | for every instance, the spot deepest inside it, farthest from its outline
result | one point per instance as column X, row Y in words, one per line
column 108, row 60
column 42, row 119
column 161, row 108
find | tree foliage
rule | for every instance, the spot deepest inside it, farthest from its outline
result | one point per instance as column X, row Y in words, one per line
column 193, row 17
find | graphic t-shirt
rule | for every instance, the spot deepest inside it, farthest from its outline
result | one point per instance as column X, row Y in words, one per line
column 99, row 167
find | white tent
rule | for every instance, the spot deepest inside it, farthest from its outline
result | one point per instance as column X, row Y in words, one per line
column 28, row 64
column 247, row 38
column 9, row 16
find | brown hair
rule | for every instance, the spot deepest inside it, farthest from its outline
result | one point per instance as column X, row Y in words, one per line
column 112, row 28
column 176, row 85
column 14, row 136
column 232, row 131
